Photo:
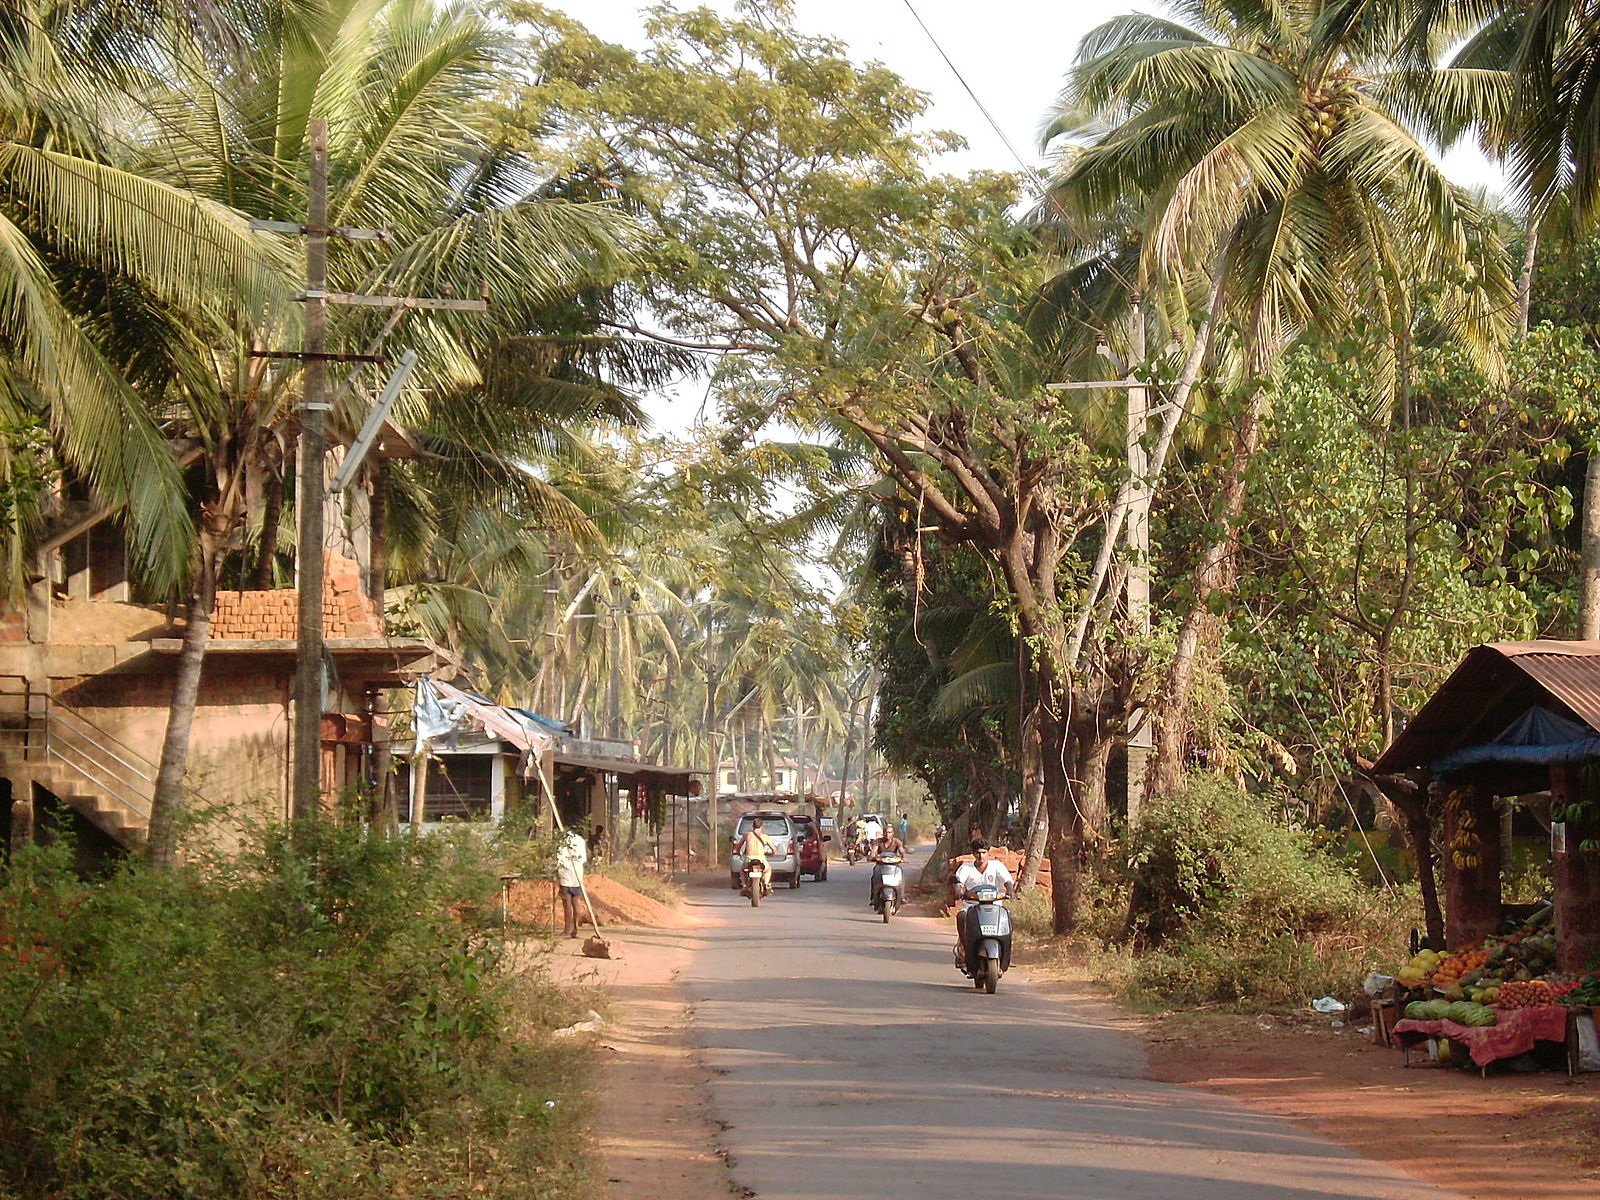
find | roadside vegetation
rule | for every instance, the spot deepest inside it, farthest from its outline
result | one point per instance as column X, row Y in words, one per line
column 309, row 1018
column 885, row 544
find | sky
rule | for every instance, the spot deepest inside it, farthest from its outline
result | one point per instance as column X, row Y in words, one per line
column 1012, row 55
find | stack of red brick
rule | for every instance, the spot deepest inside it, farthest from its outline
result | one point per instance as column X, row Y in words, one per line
column 346, row 610
column 1013, row 862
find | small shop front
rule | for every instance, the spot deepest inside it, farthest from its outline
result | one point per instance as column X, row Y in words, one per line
column 1516, row 726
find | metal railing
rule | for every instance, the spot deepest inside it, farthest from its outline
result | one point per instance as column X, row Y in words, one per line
column 44, row 730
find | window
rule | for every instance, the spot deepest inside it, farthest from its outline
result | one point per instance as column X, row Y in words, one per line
column 459, row 787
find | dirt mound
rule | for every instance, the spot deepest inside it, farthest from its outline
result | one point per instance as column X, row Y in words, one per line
column 534, row 902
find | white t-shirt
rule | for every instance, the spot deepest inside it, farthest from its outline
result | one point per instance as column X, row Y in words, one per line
column 994, row 872
column 571, row 854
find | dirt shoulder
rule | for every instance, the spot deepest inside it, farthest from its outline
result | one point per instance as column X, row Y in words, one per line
column 1526, row 1135
column 653, row 1129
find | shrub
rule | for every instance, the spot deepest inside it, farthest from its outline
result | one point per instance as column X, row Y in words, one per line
column 308, row 1019
column 1227, row 904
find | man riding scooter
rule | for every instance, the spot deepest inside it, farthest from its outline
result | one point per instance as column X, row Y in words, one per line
column 982, row 871
column 891, row 846
column 755, row 846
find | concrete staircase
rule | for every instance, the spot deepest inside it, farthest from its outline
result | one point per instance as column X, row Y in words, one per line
column 47, row 743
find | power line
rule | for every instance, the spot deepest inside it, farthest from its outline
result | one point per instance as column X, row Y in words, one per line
column 1028, row 169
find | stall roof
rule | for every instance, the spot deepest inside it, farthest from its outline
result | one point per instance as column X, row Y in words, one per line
column 1494, row 685
column 619, row 766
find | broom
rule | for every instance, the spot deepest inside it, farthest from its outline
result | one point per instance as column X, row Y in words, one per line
column 594, row 946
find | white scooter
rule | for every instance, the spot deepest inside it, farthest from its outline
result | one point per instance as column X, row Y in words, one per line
column 988, row 937
column 888, row 885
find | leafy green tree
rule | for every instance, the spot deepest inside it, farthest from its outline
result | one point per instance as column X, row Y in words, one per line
column 797, row 233
column 416, row 147
column 1267, row 157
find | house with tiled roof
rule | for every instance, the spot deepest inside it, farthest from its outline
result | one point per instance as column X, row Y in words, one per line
column 86, row 678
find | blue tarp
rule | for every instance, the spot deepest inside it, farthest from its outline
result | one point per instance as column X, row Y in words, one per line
column 1537, row 737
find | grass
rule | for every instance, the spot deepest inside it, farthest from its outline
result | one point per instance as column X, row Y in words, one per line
column 634, row 875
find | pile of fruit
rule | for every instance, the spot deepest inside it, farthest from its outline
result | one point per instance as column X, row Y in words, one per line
column 1462, row 1012
column 1535, row 993
column 1586, row 993
column 1510, row 971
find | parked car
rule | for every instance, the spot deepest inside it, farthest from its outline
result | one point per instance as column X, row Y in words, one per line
column 813, row 857
column 784, row 861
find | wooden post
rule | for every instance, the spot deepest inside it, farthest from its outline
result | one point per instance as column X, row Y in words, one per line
column 1574, row 871
column 419, row 788
column 1471, row 865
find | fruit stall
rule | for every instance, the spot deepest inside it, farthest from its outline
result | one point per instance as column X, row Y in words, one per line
column 1516, row 728
column 1495, row 1001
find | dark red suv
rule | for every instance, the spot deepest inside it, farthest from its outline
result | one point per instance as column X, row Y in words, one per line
column 813, row 859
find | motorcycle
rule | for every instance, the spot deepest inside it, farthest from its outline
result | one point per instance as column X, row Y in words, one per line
column 988, row 935
column 757, row 881
column 852, row 852
column 888, row 888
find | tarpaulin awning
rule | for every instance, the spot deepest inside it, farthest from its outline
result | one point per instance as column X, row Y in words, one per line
column 1538, row 736
column 442, row 707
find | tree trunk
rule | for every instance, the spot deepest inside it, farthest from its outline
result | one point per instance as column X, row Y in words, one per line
column 1419, row 832
column 271, row 527
column 1033, row 808
column 1525, row 281
column 1589, row 567
column 1410, row 800
column 1062, row 790
column 1471, row 866
column 167, row 806
column 1215, row 574
column 1096, row 809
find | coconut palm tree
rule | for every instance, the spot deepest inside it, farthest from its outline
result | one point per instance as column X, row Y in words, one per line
column 1525, row 79
column 415, row 148
column 110, row 279
column 1277, row 177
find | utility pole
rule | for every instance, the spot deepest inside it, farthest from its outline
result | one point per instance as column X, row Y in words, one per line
column 308, row 702
column 306, row 779
column 1140, row 739
column 1136, row 529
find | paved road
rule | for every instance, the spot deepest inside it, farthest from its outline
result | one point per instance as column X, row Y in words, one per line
column 852, row 1060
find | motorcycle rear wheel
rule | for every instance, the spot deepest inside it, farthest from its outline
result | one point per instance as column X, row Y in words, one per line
column 755, row 894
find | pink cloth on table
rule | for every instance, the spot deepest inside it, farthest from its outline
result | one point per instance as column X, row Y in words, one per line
column 1514, row 1033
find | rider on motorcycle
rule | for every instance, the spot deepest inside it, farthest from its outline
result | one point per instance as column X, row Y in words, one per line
column 755, row 846
column 891, row 845
column 981, row 870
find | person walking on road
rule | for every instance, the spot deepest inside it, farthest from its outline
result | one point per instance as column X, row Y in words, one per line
column 572, row 855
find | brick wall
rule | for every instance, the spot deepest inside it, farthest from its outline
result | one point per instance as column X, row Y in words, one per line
column 346, row 610
column 14, row 626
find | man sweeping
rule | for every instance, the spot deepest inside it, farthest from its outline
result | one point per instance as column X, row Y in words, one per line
column 571, row 856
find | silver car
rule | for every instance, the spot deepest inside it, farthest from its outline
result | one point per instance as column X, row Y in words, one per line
column 785, row 857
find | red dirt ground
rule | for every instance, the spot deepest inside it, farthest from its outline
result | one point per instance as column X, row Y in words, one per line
column 1533, row 1136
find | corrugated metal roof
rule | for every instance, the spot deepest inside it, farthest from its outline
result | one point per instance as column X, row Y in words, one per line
column 1494, row 685
column 1570, row 673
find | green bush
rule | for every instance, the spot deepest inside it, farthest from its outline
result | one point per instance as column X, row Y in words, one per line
column 308, row 1019
column 1227, row 904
